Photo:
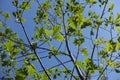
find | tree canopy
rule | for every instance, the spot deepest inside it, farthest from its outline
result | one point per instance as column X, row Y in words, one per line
column 60, row 40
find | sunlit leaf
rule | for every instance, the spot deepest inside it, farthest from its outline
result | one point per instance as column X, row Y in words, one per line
column 111, row 6
column 23, row 20
column 9, row 46
column 60, row 2
column 118, row 29
column 6, row 63
column 46, row 5
column 59, row 37
column 6, row 15
column 47, row 32
column 79, row 41
column 56, row 29
column 15, row 3
column 118, row 46
column 21, row 74
column 111, row 63
column 117, row 16
column 84, row 51
column 44, row 77
column 31, row 69
column 76, row 20
column 57, row 10
column 91, row 1
column 1, row 25
column 80, row 64
column 25, row 5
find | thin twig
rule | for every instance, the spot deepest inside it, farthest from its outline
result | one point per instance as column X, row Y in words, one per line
column 68, row 49
column 57, row 65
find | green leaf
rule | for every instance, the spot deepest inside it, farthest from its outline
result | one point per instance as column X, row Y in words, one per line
column 118, row 39
column 34, row 45
column 99, row 41
column 95, row 15
column 47, row 32
column 32, row 0
column 75, row 8
column 46, row 5
column 59, row 37
column 91, row 1
column 117, row 46
column 80, row 64
column 17, row 14
column 9, row 46
column 111, row 6
column 31, row 69
column 118, row 29
column 6, row 63
column 40, row 31
column 21, row 74
column 86, row 22
column 76, row 20
column 15, row 3
column 8, row 30
column 99, row 22
column 79, row 32
column 37, row 75
column 3, row 56
column 6, row 15
column 56, row 29
column 111, row 63
column 25, row 5
column 91, row 33
column 79, row 41
column 1, row 25
column 23, row 20
column 44, row 77
column 110, row 47
column 57, row 10
column 117, row 70
column 90, row 65
column 0, row 11
column 103, row 54
column 60, row 2
column 103, row 77
column 117, row 16
column 84, row 51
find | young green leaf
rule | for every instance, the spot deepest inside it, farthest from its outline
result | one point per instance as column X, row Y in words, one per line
column 79, row 41
column 56, row 29
column 111, row 6
column 15, row 3
column 21, row 74
column 47, row 32
column 22, row 20
column 44, row 77
column 31, row 69
column 46, row 5
column 111, row 63
column 59, row 37
column 117, row 46
column 118, row 29
column 80, row 64
column 6, row 15
column 84, row 51
column 25, row 5
column 1, row 25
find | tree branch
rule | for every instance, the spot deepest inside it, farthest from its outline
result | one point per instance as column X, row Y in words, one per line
column 34, row 51
column 68, row 49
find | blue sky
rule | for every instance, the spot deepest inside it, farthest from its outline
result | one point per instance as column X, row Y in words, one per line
column 5, row 6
